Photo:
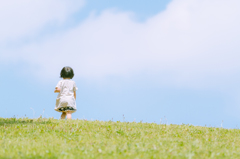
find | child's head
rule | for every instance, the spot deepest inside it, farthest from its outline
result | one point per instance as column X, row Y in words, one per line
column 67, row 72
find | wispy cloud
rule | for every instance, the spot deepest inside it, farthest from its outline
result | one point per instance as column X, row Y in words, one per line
column 192, row 42
column 23, row 18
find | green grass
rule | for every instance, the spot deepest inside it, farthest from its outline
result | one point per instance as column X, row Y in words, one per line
column 51, row 138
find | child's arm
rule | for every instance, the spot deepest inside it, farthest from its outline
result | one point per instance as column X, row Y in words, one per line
column 57, row 90
column 75, row 95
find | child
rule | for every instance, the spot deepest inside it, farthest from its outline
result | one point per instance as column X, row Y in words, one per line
column 66, row 88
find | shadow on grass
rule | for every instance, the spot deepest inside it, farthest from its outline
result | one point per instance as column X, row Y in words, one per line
column 8, row 121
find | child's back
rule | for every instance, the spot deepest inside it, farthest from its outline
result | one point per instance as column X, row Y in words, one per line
column 66, row 88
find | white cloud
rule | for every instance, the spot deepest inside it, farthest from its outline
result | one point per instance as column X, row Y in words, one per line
column 193, row 42
column 22, row 18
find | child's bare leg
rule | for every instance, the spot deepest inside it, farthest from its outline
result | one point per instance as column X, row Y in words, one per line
column 69, row 115
column 63, row 116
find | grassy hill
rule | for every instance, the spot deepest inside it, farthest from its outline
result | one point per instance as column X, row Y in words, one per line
column 51, row 138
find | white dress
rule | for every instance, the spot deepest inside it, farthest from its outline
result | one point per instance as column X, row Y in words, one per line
column 65, row 99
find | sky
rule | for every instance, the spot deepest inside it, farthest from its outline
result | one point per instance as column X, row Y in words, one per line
column 168, row 61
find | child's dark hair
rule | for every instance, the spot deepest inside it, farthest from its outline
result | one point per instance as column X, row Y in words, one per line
column 67, row 72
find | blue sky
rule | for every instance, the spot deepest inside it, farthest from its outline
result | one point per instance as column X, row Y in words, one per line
column 141, row 8
column 170, row 61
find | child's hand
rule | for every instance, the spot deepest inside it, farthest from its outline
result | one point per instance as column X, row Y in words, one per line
column 57, row 90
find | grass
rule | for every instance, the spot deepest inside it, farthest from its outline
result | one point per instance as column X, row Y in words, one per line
column 51, row 138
